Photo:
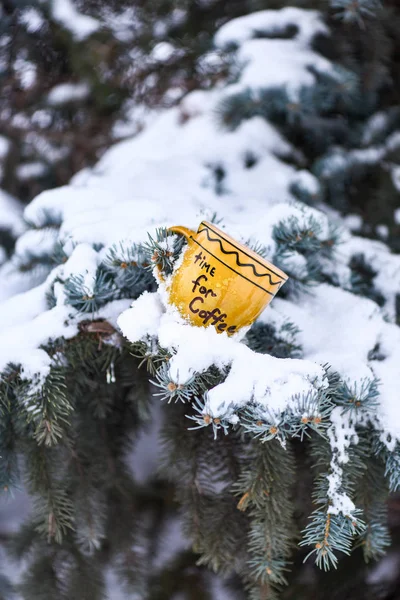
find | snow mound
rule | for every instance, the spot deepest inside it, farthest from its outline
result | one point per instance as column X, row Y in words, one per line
column 269, row 381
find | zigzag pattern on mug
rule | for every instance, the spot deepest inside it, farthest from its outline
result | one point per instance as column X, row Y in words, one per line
column 240, row 264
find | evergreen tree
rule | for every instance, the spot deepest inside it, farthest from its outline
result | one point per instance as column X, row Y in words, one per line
column 268, row 449
column 76, row 77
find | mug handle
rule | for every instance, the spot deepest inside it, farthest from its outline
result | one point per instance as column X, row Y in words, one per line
column 181, row 230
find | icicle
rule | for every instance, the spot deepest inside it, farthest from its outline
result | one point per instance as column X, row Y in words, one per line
column 110, row 375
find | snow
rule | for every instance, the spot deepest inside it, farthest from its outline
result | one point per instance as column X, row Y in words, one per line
column 341, row 329
column 123, row 22
column 393, row 141
column 385, row 571
column 50, row 152
column 386, row 266
column 306, row 181
column 42, row 118
column 184, row 170
column 267, row 380
column 172, row 541
column 341, row 436
column 162, row 51
column 80, row 26
column 165, row 176
column 288, row 64
column 308, row 23
column 289, row 60
column 395, row 173
column 332, row 334
column 10, row 214
column 35, row 243
column 67, row 92
column 135, row 118
column 13, row 511
column 32, row 19
column 26, row 323
column 353, row 222
column 375, row 126
column 148, row 309
column 4, row 146
column 30, row 170
column 340, row 159
column 20, row 121
column 25, row 71
column 382, row 231
column 23, row 342
column 337, row 328
column 220, row 590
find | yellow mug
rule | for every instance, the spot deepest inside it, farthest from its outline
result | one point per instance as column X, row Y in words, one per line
column 221, row 282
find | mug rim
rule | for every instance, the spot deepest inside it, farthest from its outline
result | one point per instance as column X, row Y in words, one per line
column 245, row 249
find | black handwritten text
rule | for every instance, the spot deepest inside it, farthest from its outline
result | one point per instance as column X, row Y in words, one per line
column 213, row 317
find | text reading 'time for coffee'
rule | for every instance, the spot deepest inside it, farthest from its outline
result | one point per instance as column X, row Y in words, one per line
column 213, row 317
column 203, row 264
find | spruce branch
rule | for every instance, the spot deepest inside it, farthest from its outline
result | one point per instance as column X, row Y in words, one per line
column 331, row 533
column 46, row 406
column 356, row 397
column 88, row 299
column 266, row 338
column 371, row 496
column 9, row 468
column 266, row 497
column 53, row 511
column 171, row 390
column 203, row 478
column 330, row 529
column 150, row 354
column 355, row 11
column 303, row 237
column 362, row 279
column 163, row 250
column 128, row 265
column 203, row 418
column 302, row 251
column 338, row 90
column 391, row 461
column 305, row 414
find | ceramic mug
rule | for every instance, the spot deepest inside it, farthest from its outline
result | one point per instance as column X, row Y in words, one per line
column 221, row 282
